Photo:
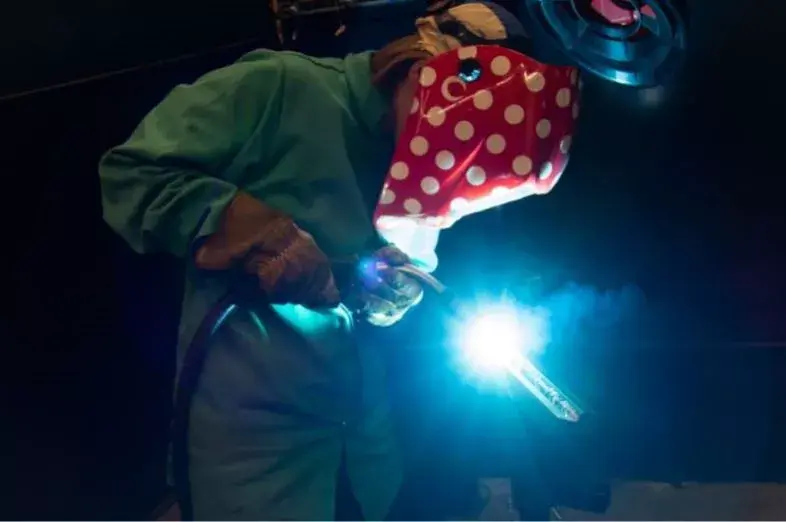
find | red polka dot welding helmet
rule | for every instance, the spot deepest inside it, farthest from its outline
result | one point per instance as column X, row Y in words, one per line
column 488, row 125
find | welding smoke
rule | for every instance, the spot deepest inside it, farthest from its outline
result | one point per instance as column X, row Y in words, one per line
column 578, row 309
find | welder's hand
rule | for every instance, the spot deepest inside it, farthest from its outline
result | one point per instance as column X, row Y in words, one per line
column 267, row 244
column 385, row 294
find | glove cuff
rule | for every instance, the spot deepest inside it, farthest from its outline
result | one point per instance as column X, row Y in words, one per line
column 247, row 227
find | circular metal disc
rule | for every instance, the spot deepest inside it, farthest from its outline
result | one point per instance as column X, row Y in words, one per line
column 631, row 42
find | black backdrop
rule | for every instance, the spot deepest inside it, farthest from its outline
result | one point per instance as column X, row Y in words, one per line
column 681, row 199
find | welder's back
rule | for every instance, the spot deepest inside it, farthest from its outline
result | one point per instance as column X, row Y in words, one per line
column 284, row 388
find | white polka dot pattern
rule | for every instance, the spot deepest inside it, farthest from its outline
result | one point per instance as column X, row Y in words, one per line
column 464, row 130
column 514, row 114
column 399, row 170
column 430, row 185
column 436, row 116
column 412, row 206
column 427, row 77
column 543, row 128
column 522, row 165
column 483, row 100
column 546, row 170
column 535, row 81
column 565, row 143
column 495, row 144
column 563, row 97
column 445, row 160
column 500, row 65
column 470, row 146
column 388, row 196
column 476, row 176
column 465, row 53
column 418, row 146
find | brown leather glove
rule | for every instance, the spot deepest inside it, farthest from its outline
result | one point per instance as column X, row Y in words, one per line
column 286, row 261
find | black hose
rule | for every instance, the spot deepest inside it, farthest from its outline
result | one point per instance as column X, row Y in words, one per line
column 190, row 372
column 193, row 363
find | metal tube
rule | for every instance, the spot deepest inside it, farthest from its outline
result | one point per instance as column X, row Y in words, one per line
column 338, row 6
column 523, row 370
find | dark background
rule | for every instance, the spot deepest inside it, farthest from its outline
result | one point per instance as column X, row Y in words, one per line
column 683, row 199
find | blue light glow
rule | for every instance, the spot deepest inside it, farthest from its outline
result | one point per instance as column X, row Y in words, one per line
column 496, row 343
column 494, row 338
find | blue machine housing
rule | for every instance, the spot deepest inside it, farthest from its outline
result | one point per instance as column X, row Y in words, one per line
column 645, row 50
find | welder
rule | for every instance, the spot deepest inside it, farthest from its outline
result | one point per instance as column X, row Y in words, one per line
column 278, row 165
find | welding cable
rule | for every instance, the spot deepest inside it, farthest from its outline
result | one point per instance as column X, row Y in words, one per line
column 127, row 70
column 194, row 358
column 196, row 355
column 194, row 362
column 190, row 372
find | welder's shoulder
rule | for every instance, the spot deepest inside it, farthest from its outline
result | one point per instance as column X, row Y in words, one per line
column 258, row 72
column 296, row 67
column 265, row 73
column 302, row 75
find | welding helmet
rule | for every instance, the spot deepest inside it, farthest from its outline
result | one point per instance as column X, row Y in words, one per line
column 494, row 113
column 488, row 123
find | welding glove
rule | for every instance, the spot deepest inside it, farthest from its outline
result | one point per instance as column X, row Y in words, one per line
column 385, row 293
column 268, row 245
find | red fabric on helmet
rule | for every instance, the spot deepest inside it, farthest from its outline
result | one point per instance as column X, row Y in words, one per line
column 471, row 145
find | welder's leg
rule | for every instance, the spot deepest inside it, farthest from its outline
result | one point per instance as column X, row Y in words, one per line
column 373, row 462
column 254, row 455
column 272, row 469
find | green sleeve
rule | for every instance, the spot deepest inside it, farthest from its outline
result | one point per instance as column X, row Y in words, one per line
column 167, row 185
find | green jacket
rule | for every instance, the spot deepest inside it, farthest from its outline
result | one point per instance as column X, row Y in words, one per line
column 303, row 135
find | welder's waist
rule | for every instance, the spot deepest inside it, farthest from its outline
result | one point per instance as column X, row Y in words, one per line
column 286, row 360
